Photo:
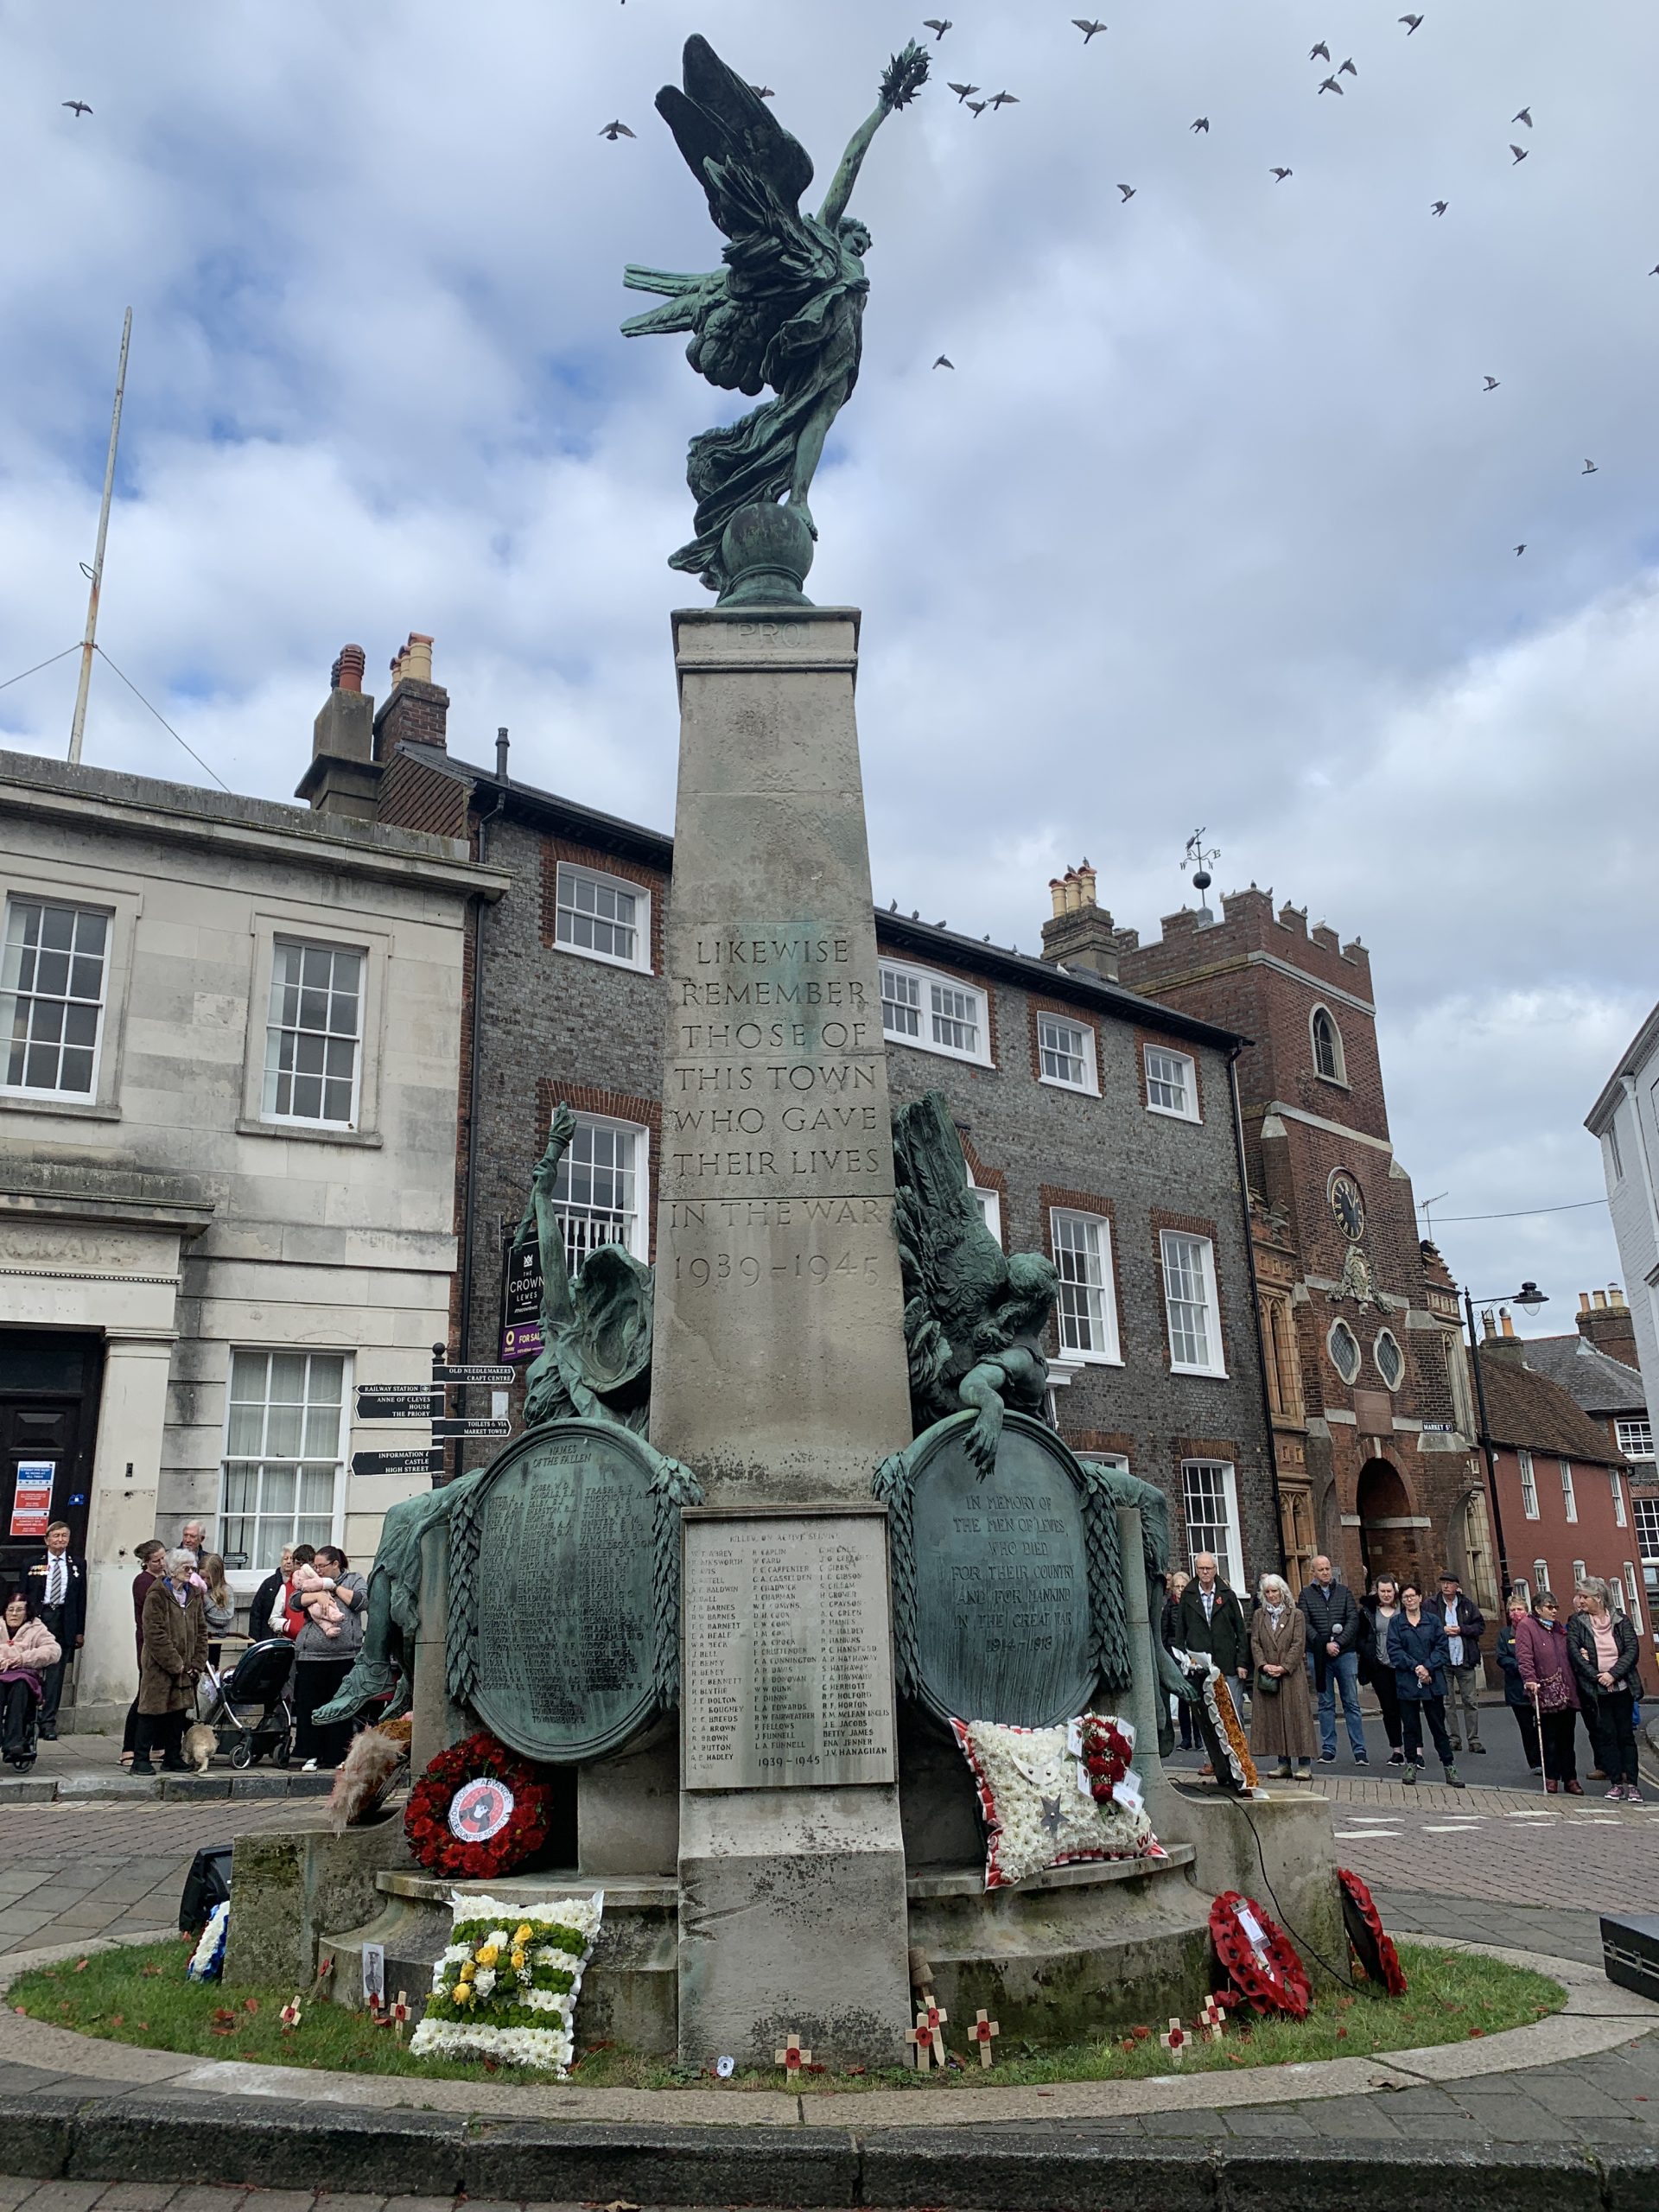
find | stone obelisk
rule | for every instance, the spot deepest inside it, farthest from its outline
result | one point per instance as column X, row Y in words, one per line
column 779, row 1369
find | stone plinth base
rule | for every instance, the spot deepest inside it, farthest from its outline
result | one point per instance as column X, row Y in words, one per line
column 1279, row 1849
column 291, row 1889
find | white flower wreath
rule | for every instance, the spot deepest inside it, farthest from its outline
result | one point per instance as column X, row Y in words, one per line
column 1037, row 1809
column 506, row 1987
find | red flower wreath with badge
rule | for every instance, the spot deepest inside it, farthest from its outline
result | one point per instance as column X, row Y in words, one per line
column 1367, row 1938
column 1108, row 1752
column 478, row 1811
column 1258, row 1957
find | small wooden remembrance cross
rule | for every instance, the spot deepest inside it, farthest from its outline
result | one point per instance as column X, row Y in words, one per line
column 1175, row 2041
column 792, row 2056
column 980, row 2032
column 400, row 2013
column 937, row 2017
column 920, row 2038
column 1213, row 2018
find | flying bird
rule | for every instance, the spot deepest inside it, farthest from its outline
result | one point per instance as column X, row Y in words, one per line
column 1523, row 115
column 1203, row 123
column 615, row 131
column 944, row 362
column 1589, row 469
column 1087, row 27
column 964, row 91
column 1005, row 99
column 1439, row 206
column 938, row 25
column 1519, row 550
column 1411, row 23
column 1520, row 153
column 1348, row 69
column 1331, row 85
column 1320, row 53
column 79, row 106
column 976, row 108
column 1492, row 383
column 1127, row 191
column 1282, row 173
column 763, row 91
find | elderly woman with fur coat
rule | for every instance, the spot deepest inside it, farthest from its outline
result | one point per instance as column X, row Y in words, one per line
column 174, row 1656
column 1281, row 1717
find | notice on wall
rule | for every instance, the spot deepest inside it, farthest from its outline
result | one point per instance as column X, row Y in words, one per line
column 31, row 1500
column 521, row 1300
column 788, row 1667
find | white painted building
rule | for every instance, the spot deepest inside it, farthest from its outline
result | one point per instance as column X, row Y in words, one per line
column 1625, row 1118
column 230, row 1053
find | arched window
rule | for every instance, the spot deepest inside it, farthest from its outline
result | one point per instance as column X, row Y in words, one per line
column 1327, row 1048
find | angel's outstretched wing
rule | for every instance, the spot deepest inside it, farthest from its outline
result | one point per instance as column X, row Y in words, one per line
column 753, row 173
column 955, row 1272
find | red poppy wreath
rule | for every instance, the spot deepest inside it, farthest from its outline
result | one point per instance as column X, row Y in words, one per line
column 1257, row 1956
column 1367, row 1938
column 478, row 1811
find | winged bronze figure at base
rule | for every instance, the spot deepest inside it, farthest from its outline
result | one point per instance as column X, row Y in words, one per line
column 787, row 309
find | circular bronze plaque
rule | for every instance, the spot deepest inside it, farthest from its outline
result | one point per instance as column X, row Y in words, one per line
column 1002, row 1626
column 566, row 1637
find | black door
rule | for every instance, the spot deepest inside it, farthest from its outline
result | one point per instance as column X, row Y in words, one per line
column 49, row 1419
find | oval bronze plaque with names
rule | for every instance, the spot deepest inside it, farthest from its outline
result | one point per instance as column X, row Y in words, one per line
column 566, row 1630
column 1002, row 1614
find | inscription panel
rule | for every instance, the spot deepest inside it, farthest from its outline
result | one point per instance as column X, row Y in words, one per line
column 787, row 1667
column 1002, row 1614
column 566, row 1621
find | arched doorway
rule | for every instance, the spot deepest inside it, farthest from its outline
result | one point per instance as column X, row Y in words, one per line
column 1388, row 1535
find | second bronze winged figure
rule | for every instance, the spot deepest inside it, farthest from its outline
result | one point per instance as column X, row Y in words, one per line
column 786, row 310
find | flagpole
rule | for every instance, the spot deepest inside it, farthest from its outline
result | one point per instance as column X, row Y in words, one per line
column 89, row 640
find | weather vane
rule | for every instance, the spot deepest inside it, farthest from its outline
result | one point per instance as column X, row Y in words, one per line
column 785, row 312
column 1199, row 861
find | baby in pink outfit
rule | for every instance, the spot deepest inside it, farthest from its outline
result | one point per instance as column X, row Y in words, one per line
column 322, row 1608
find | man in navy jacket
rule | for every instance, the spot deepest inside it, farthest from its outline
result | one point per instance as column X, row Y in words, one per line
column 56, row 1587
column 1333, row 1627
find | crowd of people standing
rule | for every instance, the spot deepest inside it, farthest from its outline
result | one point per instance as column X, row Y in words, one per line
column 1299, row 1656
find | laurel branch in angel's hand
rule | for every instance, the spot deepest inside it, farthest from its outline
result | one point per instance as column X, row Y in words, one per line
column 903, row 76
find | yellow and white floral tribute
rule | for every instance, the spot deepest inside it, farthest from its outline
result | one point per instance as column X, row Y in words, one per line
column 506, row 1986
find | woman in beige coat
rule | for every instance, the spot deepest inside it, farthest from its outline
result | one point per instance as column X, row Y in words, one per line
column 1281, row 1720
column 174, row 1654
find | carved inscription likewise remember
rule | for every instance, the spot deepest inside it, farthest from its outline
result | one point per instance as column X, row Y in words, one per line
column 566, row 1623
column 1002, row 1624
column 787, row 1668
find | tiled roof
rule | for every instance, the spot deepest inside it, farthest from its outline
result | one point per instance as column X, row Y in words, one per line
column 1524, row 1408
column 1595, row 1380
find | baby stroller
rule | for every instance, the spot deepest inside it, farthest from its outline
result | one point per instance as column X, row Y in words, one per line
column 248, row 1709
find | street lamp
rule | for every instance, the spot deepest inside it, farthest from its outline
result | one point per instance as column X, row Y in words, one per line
column 1529, row 1298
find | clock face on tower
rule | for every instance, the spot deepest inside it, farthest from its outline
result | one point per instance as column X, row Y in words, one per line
column 1348, row 1204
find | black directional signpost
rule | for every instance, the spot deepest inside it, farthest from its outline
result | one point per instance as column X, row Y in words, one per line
column 425, row 1401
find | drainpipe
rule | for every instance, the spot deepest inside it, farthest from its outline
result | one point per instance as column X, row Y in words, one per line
column 1256, row 1301
column 469, row 1210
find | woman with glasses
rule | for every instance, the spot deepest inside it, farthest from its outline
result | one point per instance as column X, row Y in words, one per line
column 1418, row 1647
column 1602, row 1647
column 1542, row 1654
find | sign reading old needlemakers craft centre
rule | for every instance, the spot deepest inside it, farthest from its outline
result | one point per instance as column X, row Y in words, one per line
column 1001, row 1581
column 566, row 1633
column 787, row 1677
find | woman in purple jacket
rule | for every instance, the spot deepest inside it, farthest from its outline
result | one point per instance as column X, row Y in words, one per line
column 1542, row 1654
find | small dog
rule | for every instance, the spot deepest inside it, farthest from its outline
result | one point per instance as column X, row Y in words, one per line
column 199, row 1747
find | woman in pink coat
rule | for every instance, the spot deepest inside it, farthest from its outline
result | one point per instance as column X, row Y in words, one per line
column 1546, row 1664
column 27, row 1648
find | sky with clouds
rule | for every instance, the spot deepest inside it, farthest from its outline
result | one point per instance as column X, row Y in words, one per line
column 1213, row 521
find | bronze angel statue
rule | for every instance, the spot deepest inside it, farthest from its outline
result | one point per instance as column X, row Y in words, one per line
column 974, row 1316
column 786, row 310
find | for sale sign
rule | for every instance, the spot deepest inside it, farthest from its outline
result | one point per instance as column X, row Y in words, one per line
column 521, row 1302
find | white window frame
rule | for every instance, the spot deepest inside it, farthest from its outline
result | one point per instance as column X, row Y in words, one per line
column 1647, row 1526
column 928, row 980
column 1064, row 1221
column 1189, row 1084
column 1616, row 1483
column 1611, row 1134
column 1569, row 1496
column 578, row 871
column 990, row 1203
column 1541, row 1569
column 1387, row 1335
column 1633, row 1436
column 1217, row 1363
column 1633, row 1591
column 1117, row 1461
column 1089, row 1080
column 1340, row 1328
column 244, row 1579
column 1579, row 1571
column 637, row 1241
column 1340, row 1078
column 302, row 942
column 1528, row 1482
column 1230, row 1552
column 52, row 1093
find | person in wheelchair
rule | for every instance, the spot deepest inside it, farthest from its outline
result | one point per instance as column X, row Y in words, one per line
column 27, row 1648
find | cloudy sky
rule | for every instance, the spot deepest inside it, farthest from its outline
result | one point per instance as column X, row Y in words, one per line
column 1212, row 523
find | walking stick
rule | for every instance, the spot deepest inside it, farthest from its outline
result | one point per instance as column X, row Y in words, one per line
column 1538, row 1722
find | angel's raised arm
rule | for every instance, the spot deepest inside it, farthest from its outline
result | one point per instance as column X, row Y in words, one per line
column 905, row 74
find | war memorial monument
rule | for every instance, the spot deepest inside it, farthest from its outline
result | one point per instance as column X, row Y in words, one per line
column 787, row 1520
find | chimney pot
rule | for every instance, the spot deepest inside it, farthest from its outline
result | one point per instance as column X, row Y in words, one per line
column 1600, row 1299
column 1057, row 894
column 1508, row 1325
column 1488, row 1327
column 501, row 752
column 347, row 672
column 1615, row 1295
column 1584, row 1301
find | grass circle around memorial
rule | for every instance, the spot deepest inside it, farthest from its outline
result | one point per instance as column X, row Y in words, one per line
column 139, row 1994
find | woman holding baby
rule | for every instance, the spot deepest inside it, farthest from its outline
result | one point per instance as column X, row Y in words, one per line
column 328, row 1598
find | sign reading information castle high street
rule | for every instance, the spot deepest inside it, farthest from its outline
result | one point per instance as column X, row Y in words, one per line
column 787, row 1674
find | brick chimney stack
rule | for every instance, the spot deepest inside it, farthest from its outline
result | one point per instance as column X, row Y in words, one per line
column 1080, row 933
column 417, row 711
column 1605, row 1320
column 342, row 776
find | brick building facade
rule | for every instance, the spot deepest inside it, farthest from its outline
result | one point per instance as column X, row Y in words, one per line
column 1372, row 1418
column 1097, row 1126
